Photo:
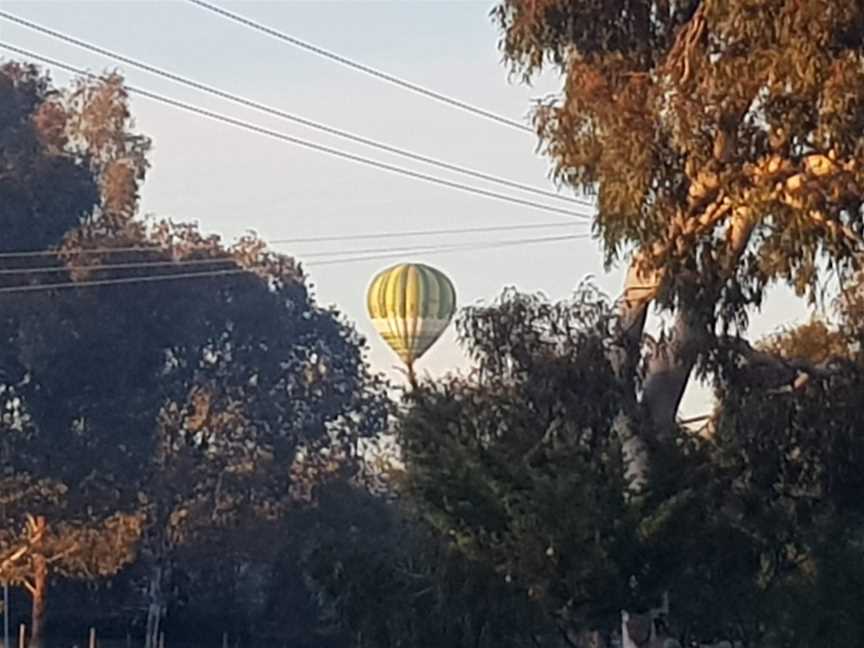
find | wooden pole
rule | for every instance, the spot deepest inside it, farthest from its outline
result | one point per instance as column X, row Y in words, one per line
column 6, row 615
column 39, row 592
column 92, row 637
column 22, row 634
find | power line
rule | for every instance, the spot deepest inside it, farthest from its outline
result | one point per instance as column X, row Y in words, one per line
column 417, row 233
column 236, row 271
column 116, row 266
column 249, row 103
column 118, row 281
column 227, row 258
column 306, row 239
column 452, row 248
column 307, row 144
column 320, row 51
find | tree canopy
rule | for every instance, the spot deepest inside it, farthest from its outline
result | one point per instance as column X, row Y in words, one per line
column 145, row 415
column 521, row 466
column 720, row 136
column 724, row 143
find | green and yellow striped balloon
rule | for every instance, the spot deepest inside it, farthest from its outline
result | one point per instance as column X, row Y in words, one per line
column 410, row 305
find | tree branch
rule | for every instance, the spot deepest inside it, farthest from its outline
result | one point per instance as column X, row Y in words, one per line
column 774, row 372
column 547, row 436
column 681, row 53
column 63, row 554
column 30, row 587
column 14, row 556
column 640, row 288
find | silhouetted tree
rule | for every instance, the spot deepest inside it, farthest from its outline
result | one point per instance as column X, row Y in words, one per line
column 723, row 140
column 147, row 416
column 521, row 467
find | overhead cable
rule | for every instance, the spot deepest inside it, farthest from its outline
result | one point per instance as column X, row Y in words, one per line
column 305, row 143
column 227, row 258
column 17, row 254
column 249, row 103
column 452, row 248
column 361, row 67
column 237, row 271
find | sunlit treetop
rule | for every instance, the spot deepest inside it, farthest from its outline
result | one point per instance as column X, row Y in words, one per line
column 724, row 138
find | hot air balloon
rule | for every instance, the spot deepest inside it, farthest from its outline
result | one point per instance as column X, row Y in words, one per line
column 410, row 305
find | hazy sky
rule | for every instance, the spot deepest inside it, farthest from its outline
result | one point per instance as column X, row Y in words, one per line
column 231, row 181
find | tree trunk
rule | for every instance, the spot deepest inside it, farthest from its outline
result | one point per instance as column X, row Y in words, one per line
column 639, row 290
column 154, row 608
column 669, row 369
column 40, row 583
column 670, row 365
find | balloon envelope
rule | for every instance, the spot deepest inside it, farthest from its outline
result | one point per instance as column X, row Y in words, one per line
column 410, row 305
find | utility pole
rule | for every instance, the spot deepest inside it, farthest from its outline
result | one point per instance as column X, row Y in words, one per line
column 5, row 614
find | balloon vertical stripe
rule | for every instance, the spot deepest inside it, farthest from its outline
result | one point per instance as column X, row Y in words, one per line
column 410, row 306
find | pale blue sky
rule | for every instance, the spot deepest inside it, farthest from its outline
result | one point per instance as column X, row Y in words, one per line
column 231, row 181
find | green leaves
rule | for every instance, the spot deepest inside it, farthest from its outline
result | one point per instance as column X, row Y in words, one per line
column 145, row 417
column 685, row 117
column 44, row 191
column 522, row 466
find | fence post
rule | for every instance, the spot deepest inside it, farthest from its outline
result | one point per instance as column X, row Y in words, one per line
column 22, row 633
column 92, row 637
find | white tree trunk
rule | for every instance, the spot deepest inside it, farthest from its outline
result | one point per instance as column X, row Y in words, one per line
column 670, row 364
column 668, row 371
column 639, row 290
column 155, row 607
